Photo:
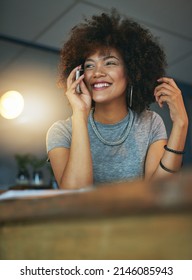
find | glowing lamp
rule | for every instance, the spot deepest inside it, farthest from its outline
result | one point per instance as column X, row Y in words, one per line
column 11, row 104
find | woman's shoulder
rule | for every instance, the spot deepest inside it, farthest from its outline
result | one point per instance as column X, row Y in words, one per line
column 59, row 134
column 148, row 119
column 147, row 116
column 60, row 129
column 61, row 125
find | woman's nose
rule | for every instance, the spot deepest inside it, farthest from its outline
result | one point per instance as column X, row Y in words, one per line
column 99, row 72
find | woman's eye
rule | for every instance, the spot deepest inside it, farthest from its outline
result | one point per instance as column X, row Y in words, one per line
column 110, row 62
column 88, row 66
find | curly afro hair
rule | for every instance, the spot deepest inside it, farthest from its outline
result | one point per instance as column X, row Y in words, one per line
column 144, row 59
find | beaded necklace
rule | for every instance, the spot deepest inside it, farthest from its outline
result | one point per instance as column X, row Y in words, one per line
column 114, row 143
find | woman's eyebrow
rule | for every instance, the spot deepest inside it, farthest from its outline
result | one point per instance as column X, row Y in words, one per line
column 89, row 59
column 104, row 58
column 110, row 56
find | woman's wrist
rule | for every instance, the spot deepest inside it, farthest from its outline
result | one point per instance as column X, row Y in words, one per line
column 181, row 123
column 80, row 116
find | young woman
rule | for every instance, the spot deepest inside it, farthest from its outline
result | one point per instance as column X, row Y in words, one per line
column 111, row 135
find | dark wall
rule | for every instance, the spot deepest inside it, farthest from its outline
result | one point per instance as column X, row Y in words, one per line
column 187, row 95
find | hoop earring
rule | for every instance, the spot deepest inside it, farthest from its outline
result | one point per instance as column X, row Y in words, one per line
column 131, row 97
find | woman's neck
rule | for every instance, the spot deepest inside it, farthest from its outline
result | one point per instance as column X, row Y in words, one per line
column 107, row 114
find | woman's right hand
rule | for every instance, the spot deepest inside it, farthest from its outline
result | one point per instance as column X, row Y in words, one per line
column 80, row 102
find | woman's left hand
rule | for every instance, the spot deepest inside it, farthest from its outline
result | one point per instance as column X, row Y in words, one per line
column 167, row 91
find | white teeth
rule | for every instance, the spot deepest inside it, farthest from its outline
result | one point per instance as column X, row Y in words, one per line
column 101, row 85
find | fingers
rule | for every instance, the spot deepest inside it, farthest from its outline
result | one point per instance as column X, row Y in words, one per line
column 166, row 91
column 83, row 87
column 71, row 82
column 168, row 81
column 71, row 76
column 78, row 81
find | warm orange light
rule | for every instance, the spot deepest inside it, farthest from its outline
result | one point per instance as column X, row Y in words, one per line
column 11, row 104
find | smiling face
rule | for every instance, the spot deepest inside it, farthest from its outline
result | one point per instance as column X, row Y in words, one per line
column 105, row 76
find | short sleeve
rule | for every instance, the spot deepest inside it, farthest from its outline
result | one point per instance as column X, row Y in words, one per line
column 158, row 130
column 59, row 135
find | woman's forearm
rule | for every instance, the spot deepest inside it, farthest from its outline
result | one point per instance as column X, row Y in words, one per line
column 78, row 171
column 171, row 160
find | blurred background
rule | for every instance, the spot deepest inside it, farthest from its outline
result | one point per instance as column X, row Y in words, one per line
column 31, row 35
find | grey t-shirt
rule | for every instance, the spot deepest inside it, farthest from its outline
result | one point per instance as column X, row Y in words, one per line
column 119, row 162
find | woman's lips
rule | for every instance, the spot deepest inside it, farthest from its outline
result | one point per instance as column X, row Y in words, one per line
column 100, row 85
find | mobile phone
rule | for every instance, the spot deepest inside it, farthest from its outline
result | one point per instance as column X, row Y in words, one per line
column 78, row 73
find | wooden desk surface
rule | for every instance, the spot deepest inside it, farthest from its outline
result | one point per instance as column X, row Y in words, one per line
column 120, row 221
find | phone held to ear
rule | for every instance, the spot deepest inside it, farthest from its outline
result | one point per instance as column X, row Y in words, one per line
column 78, row 73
